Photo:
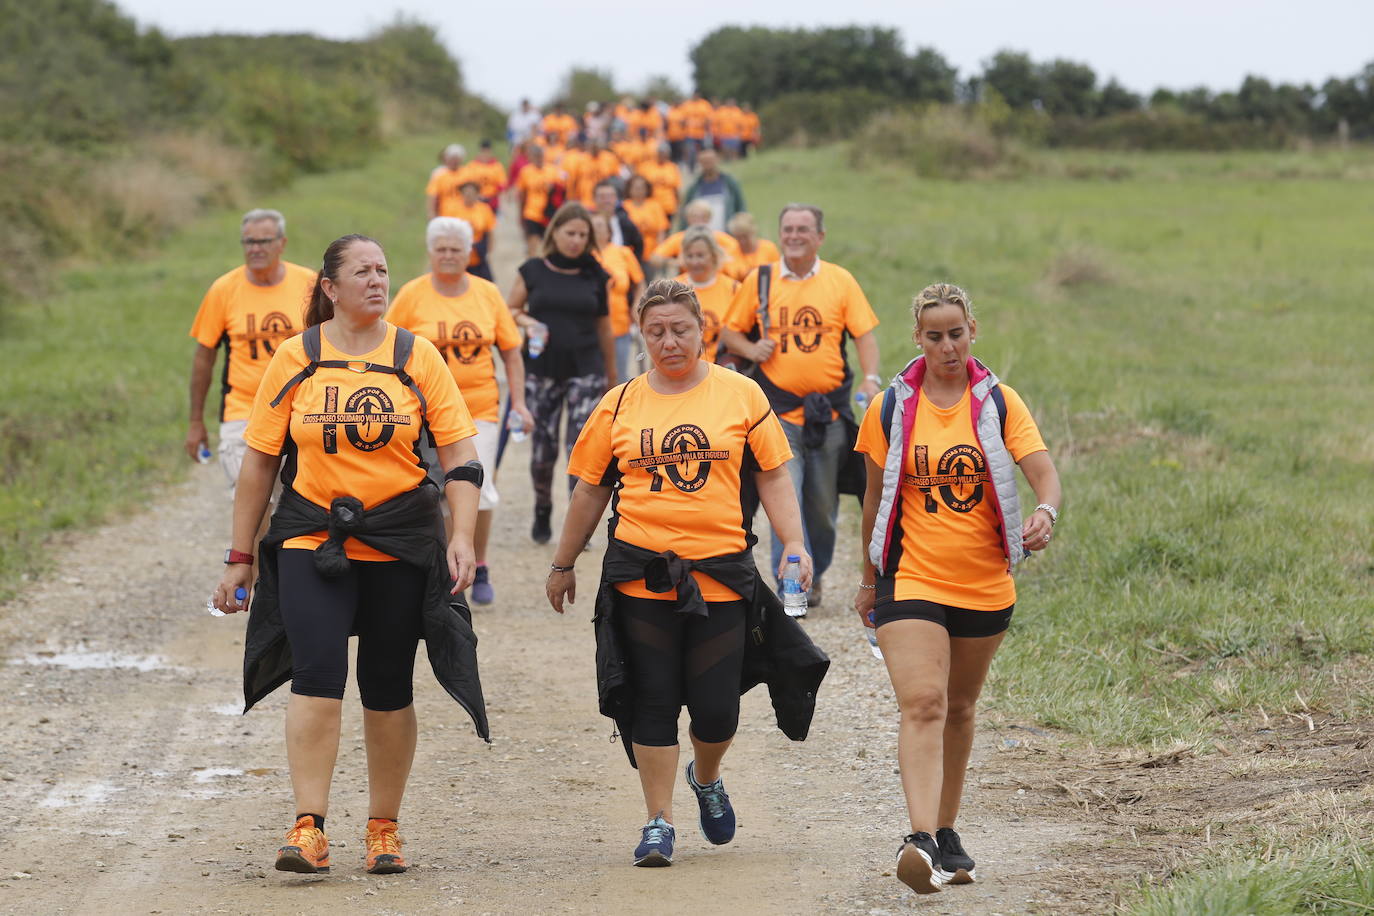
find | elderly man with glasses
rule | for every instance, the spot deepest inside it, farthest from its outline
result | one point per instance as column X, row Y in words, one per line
column 249, row 311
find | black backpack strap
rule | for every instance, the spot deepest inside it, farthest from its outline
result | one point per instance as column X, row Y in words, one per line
column 311, row 338
column 765, row 288
column 889, row 408
column 1000, row 400
column 623, row 388
column 400, row 355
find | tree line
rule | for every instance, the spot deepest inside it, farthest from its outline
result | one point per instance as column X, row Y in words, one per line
column 868, row 67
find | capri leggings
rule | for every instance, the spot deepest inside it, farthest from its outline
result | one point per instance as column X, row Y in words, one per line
column 546, row 399
column 380, row 601
column 683, row 658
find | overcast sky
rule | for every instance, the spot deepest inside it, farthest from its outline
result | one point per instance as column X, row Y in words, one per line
column 523, row 47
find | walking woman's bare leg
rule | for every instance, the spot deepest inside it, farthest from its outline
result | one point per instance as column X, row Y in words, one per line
column 657, row 772
column 312, row 746
column 390, row 739
column 708, row 757
column 969, row 660
column 917, row 656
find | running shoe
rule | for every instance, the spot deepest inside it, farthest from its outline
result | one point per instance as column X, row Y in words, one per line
column 918, row 863
column 306, row 850
column 956, row 866
column 814, row 597
column 717, row 815
column 383, row 848
column 541, row 531
column 655, row 849
column 481, row 587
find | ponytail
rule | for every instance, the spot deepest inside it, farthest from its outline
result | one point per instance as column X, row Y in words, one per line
column 319, row 307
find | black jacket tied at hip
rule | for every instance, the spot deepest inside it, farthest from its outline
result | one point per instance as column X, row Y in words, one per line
column 407, row 527
column 777, row 651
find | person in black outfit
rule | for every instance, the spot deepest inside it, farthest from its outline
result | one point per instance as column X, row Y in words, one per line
column 606, row 197
column 564, row 291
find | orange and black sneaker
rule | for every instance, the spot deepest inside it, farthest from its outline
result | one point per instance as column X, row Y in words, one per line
column 383, row 848
column 306, row 850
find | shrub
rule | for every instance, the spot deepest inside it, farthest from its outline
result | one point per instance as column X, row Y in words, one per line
column 937, row 142
column 820, row 117
column 1163, row 128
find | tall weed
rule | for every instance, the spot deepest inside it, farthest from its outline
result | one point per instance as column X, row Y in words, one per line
column 937, row 142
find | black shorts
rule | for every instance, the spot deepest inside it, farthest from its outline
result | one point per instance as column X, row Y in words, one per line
column 534, row 228
column 961, row 623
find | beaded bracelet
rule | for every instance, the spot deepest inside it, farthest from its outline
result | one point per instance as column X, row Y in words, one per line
column 861, row 585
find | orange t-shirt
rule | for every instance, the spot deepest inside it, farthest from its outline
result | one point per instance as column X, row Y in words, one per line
column 726, row 123
column 677, row 123
column 666, row 181
column 536, row 182
column 765, row 252
column 251, row 322
column 577, row 167
column 951, row 551
column 676, row 461
column 620, row 262
column 447, row 187
column 671, row 247
column 715, row 298
column 357, row 434
column 490, row 176
column 463, row 328
column 597, row 168
column 649, row 219
column 699, row 113
column 565, row 125
column 479, row 217
column 749, row 126
column 807, row 319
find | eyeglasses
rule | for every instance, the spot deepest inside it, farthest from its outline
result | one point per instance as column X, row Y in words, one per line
column 258, row 243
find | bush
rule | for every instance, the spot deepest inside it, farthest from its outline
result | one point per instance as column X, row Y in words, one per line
column 1163, row 128
column 937, row 142
column 820, row 117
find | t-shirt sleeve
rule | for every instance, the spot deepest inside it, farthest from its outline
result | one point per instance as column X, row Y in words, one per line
column 269, row 426
column 859, row 317
column 432, row 188
column 402, row 311
column 872, row 440
column 765, row 437
column 636, row 272
column 1022, row 435
column 669, row 247
column 744, row 306
column 592, row 458
column 507, row 334
column 603, row 297
column 208, row 326
column 447, row 413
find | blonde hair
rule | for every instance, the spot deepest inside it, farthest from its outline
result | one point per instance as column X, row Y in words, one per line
column 693, row 234
column 742, row 223
column 937, row 294
column 668, row 292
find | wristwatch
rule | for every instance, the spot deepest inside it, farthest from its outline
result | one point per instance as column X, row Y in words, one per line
column 232, row 556
column 875, row 379
column 1051, row 511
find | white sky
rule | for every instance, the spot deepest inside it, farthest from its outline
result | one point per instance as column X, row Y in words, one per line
column 523, row 47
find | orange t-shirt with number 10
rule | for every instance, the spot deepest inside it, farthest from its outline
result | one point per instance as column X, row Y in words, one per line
column 677, row 462
column 951, row 552
column 715, row 298
column 251, row 322
column 347, row 433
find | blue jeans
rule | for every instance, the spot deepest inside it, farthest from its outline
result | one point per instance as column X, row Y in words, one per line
column 813, row 473
column 624, row 345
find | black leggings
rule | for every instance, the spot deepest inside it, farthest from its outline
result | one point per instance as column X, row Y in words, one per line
column 380, row 601
column 683, row 658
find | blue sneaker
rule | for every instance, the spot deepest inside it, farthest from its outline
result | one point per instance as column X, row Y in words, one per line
column 717, row 816
column 655, row 849
column 481, row 587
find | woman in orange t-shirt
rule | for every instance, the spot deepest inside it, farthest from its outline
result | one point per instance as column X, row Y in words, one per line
column 541, row 188
column 626, row 278
column 356, row 544
column 753, row 250
column 682, row 447
column 646, row 213
column 466, row 318
column 701, row 260
column 942, row 521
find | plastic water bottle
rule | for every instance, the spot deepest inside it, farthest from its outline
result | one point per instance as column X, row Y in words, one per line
column 203, row 455
column 793, row 595
column 872, row 634
column 240, row 593
column 538, row 336
column 861, row 399
column 516, row 427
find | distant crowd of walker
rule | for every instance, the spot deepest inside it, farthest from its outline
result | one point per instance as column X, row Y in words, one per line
column 704, row 374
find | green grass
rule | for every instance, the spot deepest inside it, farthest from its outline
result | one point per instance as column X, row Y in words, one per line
column 95, row 375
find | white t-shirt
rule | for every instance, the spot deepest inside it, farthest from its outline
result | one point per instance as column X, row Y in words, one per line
column 521, row 124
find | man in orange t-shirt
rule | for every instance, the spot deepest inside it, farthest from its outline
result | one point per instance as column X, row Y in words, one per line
column 561, row 123
column 443, row 186
column 249, row 312
column 480, row 217
column 751, row 133
column 665, row 177
column 727, row 124
column 489, row 174
column 813, row 308
column 696, row 125
column 537, row 184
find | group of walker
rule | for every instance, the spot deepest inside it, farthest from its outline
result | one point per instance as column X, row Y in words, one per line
column 380, row 418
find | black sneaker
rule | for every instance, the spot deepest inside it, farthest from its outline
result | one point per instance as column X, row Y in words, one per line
column 540, row 532
column 918, row 863
column 655, row 848
column 717, row 814
column 956, row 866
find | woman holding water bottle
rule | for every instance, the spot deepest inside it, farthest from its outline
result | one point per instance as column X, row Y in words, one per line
column 561, row 300
column 465, row 317
column 944, row 529
column 685, row 447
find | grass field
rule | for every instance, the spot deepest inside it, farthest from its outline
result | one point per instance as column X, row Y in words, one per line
column 1192, row 333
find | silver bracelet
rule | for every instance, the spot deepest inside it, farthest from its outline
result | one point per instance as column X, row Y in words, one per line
column 870, row 587
column 556, row 568
column 1049, row 510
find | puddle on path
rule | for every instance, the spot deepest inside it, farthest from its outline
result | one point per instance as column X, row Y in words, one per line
column 70, row 796
column 86, row 659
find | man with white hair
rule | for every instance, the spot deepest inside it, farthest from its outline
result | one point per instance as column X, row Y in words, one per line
column 249, row 311
column 446, row 184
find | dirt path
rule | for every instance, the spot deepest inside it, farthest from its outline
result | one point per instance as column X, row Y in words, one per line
column 129, row 783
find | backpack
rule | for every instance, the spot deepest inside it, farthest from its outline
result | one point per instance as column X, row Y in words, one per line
column 739, row 363
column 890, row 407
